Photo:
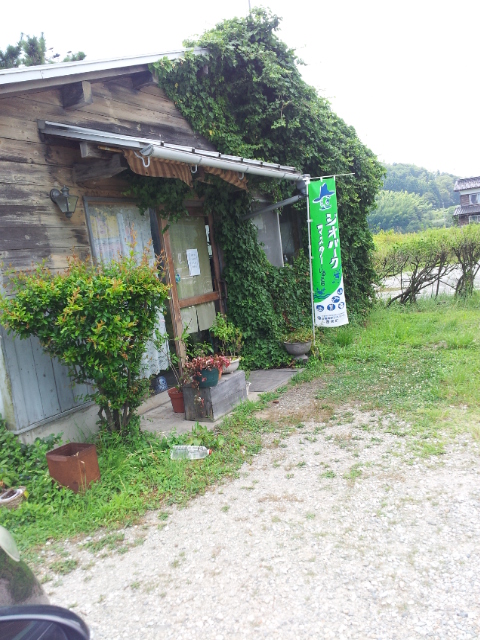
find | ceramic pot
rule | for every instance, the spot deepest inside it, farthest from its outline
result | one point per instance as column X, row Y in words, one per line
column 233, row 366
column 297, row 348
column 207, row 378
column 176, row 398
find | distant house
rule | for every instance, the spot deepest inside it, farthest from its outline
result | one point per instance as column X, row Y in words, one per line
column 469, row 209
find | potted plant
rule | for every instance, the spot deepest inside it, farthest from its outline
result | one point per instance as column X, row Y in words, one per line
column 229, row 339
column 298, row 342
column 202, row 370
column 175, row 393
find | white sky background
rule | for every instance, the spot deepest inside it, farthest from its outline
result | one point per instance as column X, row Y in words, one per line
column 404, row 74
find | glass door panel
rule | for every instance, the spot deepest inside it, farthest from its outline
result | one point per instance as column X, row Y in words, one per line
column 193, row 273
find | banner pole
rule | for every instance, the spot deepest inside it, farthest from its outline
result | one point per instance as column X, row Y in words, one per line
column 309, row 222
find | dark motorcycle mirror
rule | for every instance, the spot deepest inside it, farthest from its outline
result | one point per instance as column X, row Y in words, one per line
column 41, row 622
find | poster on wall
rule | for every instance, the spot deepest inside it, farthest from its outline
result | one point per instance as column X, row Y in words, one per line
column 193, row 262
column 327, row 278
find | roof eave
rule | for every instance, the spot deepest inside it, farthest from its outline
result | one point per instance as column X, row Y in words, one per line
column 14, row 81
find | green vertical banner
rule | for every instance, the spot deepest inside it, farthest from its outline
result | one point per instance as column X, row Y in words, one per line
column 327, row 278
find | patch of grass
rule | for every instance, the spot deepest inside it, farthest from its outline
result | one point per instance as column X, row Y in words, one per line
column 394, row 364
column 64, row 566
column 111, row 541
column 225, row 508
column 328, row 474
column 353, row 473
column 137, row 475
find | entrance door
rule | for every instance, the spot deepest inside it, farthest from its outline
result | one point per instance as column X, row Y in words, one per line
column 194, row 272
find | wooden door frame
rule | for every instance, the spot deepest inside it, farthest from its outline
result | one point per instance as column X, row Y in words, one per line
column 175, row 303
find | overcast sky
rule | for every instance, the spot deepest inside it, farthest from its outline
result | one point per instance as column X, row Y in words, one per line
column 404, row 74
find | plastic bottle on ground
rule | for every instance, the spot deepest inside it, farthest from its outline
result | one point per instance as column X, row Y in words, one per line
column 189, row 452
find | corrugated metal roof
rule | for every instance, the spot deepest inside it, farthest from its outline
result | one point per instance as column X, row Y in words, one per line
column 25, row 78
column 469, row 209
column 467, row 183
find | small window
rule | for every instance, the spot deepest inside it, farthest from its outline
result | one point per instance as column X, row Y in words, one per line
column 474, row 219
column 475, row 198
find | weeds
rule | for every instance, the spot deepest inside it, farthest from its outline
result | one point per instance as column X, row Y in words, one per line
column 63, row 567
column 137, row 475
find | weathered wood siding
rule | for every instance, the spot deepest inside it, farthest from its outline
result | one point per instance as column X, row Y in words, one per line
column 31, row 226
column 40, row 387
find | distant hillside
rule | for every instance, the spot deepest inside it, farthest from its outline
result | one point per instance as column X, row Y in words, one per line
column 414, row 199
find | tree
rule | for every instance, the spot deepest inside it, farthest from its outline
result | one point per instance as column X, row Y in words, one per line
column 96, row 319
column 435, row 188
column 465, row 246
column 31, row 51
column 400, row 211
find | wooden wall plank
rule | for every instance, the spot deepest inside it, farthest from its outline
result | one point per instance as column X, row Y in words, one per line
column 27, row 216
column 18, row 194
column 63, row 386
column 13, row 369
column 55, row 259
column 35, row 174
column 46, row 380
column 43, row 237
column 28, row 378
column 115, row 108
column 24, row 152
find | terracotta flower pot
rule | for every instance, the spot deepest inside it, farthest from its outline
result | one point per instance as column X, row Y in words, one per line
column 176, row 398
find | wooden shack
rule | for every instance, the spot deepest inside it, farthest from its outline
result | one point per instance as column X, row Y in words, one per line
column 82, row 125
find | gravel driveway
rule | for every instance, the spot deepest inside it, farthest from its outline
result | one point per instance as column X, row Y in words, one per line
column 334, row 531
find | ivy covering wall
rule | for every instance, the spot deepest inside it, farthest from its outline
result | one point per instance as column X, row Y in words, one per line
column 246, row 95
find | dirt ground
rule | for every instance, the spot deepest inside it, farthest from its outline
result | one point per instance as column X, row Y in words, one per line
column 335, row 530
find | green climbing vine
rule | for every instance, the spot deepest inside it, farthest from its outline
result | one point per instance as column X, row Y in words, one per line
column 247, row 97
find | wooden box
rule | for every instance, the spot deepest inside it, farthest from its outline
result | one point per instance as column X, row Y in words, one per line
column 213, row 403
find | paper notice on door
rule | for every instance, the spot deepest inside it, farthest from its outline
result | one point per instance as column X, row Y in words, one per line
column 193, row 262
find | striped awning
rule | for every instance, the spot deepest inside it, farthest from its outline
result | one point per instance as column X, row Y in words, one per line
column 160, row 168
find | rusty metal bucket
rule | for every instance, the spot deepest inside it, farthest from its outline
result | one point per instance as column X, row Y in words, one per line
column 74, row 465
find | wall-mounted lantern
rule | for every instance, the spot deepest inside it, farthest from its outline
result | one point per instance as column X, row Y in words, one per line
column 65, row 202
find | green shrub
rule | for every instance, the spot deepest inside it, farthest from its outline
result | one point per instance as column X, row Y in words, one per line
column 97, row 319
column 24, row 464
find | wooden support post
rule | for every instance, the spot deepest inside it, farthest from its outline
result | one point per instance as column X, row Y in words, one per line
column 76, row 95
column 216, row 263
column 174, row 304
column 90, row 150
